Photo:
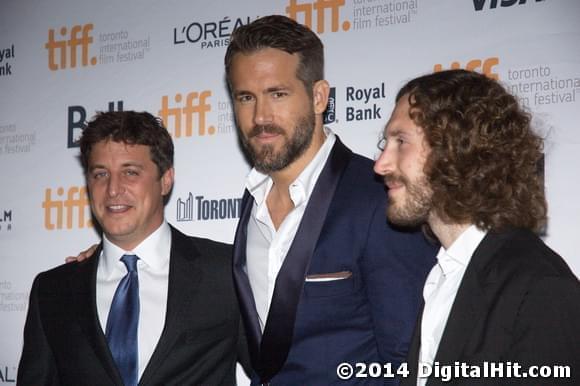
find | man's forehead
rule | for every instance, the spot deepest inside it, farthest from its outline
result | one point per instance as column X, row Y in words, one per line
column 110, row 146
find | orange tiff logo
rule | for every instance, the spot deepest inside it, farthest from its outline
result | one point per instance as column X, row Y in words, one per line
column 196, row 105
column 320, row 6
column 74, row 206
column 485, row 65
column 63, row 52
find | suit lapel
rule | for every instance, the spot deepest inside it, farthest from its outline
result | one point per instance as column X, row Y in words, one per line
column 184, row 276
column 244, row 291
column 469, row 302
column 83, row 286
column 279, row 328
column 413, row 354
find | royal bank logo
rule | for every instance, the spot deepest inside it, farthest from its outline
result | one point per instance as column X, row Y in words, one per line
column 485, row 66
column 5, row 66
column 330, row 112
column 5, row 220
column 66, row 208
column 69, row 48
column 209, row 34
column 187, row 116
column 199, row 208
column 363, row 102
column 304, row 11
column 76, row 121
column 481, row 5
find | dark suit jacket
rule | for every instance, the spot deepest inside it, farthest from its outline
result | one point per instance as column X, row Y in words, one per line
column 518, row 302
column 65, row 345
column 368, row 317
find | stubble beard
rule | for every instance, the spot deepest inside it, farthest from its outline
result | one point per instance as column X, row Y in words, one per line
column 413, row 208
column 265, row 158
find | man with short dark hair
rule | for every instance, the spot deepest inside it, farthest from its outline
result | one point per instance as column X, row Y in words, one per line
column 459, row 157
column 321, row 277
column 152, row 306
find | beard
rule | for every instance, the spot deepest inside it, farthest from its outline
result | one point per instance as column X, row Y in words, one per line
column 265, row 158
column 412, row 208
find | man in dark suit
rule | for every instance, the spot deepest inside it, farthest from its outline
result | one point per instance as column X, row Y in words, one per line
column 501, row 308
column 321, row 277
column 152, row 304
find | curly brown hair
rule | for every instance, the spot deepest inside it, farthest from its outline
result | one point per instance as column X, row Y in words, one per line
column 484, row 162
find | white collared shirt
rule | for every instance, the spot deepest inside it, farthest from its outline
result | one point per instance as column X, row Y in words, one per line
column 153, row 271
column 266, row 247
column 440, row 291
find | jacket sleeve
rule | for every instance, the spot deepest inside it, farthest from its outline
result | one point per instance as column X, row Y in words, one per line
column 37, row 364
column 396, row 264
column 547, row 330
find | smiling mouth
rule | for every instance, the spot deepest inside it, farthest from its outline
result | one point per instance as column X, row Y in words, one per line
column 118, row 208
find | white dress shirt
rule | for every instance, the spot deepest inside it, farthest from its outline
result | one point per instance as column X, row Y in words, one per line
column 153, row 271
column 440, row 291
column 266, row 247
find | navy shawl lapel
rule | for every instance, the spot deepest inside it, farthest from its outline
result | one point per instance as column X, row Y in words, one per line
column 279, row 328
column 184, row 277
column 242, row 283
column 468, row 305
column 84, row 291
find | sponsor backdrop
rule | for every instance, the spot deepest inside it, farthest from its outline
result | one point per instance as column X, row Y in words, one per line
column 62, row 60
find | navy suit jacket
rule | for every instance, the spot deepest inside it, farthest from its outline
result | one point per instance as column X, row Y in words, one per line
column 367, row 317
column 518, row 302
column 65, row 345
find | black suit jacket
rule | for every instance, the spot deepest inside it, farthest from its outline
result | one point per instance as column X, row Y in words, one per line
column 65, row 345
column 518, row 302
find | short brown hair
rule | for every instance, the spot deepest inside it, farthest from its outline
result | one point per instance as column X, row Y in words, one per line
column 484, row 158
column 284, row 34
column 130, row 127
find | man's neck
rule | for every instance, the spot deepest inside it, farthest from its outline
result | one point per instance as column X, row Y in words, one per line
column 446, row 232
column 283, row 178
column 278, row 201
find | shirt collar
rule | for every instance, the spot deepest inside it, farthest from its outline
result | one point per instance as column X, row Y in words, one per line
column 461, row 250
column 259, row 184
column 153, row 252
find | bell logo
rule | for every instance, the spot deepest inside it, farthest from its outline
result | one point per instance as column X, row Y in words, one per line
column 55, row 209
column 195, row 105
column 293, row 9
column 486, row 66
column 76, row 118
column 63, row 52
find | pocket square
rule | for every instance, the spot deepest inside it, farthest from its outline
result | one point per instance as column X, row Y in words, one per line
column 331, row 276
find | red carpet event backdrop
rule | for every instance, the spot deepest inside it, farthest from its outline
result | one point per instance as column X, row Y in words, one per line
column 63, row 60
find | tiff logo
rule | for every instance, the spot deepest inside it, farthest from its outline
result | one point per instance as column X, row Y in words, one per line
column 486, row 66
column 320, row 6
column 196, row 105
column 63, row 52
column 77, row 115
column 76, row 201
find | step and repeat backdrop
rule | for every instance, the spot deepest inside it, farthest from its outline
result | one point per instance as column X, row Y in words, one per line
column 63, row 60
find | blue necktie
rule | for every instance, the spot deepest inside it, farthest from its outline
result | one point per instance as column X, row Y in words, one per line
column 123, row 321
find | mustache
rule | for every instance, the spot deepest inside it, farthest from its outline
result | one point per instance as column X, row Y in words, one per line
column 395, row 178
column 268, row 129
